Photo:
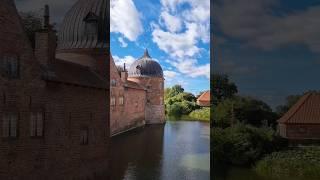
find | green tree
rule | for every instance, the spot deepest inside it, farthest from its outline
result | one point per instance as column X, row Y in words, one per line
column 245, row 110
column 222, row 88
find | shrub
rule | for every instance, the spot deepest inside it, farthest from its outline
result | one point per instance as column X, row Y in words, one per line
column 201, row 114
column 243, row 144
column 302, row 162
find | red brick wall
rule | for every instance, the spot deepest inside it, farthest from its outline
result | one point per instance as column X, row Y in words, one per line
column 154, row 111
column 132, row 113
column 58, row 154
column 303, row 131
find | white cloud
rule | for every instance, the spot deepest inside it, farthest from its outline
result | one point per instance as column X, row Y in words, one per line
column 125, row 19
column 173, row 23
column 192, row 69
column 177, row 44
column 122, row 42
column 170, row 74
column 181, row 32
column 128, row 60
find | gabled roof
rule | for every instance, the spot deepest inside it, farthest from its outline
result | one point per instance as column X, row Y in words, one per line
column 305, row 111
column 75, row 74
column 204, row 96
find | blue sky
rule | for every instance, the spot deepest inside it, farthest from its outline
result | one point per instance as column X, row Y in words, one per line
column 270, row 49
column 175, row 32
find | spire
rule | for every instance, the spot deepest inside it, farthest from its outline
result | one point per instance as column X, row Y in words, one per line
column 46, row 17
column 146, row 53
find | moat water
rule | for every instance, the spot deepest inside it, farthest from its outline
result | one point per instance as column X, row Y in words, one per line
column 176, row 150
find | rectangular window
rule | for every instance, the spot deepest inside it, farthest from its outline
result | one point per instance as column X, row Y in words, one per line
column 113, row 82
column 36, row 124
column 84, row 136
column 11, row 67
column 112, row 101
column 9, row 125
column 121, row 100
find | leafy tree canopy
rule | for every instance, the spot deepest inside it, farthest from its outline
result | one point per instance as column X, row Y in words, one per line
column 222, row 88
column 243, row 109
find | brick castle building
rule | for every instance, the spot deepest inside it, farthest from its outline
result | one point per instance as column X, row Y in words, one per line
column 54, row 118
column 55, row 113
column 136, row 94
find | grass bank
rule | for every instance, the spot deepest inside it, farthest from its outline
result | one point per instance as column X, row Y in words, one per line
column 300, row 163
column 202, row 114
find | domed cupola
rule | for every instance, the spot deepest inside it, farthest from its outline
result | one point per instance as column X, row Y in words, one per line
column 85, row 26
column 145, row 67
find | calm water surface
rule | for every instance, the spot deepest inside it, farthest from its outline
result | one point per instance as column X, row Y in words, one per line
column 174, row 151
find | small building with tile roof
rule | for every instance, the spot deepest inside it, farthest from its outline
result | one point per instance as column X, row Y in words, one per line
column 302, row 121
column 204, row 99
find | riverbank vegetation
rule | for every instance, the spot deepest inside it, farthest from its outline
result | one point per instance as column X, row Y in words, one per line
column 179, row 103
column 243, row 144
column 201, row 114
column 244, row 133
column 301, row 163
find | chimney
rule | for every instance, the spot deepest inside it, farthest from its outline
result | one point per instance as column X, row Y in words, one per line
column 46, row 41
column 124, row 74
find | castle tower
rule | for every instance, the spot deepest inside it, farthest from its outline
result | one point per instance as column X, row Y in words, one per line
column 148, row 73
column 83, row 36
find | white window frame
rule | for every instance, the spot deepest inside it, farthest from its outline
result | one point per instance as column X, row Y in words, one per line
column 112, row 101
column 113, row 82
column 10, row 125
column 84, row 136
column 36, row 124
column 121, row 100
column 11, row 66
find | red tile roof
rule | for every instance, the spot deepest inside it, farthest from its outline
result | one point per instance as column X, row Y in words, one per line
column 305, row 111
column 204, row 96
column 71, row 73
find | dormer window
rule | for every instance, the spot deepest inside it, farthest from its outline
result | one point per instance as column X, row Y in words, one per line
column 10, row 66
column 91, row 24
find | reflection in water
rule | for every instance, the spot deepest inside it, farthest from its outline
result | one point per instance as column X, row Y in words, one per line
column 178, row 150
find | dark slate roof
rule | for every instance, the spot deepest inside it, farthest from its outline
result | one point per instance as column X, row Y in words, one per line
column 305, row 111
column 71, row 73
column 73, row 35
column 145, row 67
